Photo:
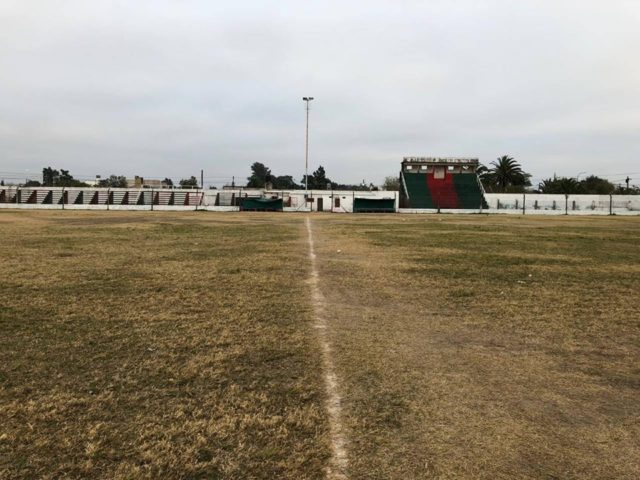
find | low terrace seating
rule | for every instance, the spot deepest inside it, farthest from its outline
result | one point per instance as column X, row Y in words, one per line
column 225, row 199
column 181, row 198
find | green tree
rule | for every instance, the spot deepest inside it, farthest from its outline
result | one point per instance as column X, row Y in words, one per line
column 114, row 181
column 284, row 182
column 560, row 185
column 259, row 175
column 596, row 185
column 505, row 175
column 189, row 182
column 485, row 177
column 49, row 176
column 318, row 180
column 65, row 179
column 623, row 190
column 168, row 182
column 62, row 178
column 347, row 186
column 391, row 184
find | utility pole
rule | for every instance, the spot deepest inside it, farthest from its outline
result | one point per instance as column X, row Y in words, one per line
column 306, row 149
column 202, row 179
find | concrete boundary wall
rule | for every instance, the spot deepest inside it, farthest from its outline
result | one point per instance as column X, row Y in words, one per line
column 213, row 208
column 542, row 204
column 337, row 201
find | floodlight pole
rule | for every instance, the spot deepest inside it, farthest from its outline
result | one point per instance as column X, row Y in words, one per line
column 306, row 150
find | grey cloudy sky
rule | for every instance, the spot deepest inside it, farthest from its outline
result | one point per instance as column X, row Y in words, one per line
column 165, row 88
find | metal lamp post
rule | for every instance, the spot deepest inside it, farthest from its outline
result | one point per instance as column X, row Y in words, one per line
column 306, row 149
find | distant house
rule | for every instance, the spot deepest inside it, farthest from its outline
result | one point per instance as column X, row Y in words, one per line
column 140, row 182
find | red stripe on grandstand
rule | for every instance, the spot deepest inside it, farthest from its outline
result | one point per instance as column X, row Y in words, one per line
column 443, row 192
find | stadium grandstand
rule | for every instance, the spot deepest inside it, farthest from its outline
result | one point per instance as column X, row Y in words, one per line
column 441, row 183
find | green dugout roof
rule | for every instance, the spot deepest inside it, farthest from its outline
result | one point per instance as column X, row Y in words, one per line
column 381, row 205
column 261, row 204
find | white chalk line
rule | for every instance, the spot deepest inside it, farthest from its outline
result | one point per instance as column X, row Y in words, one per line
column 338, row 464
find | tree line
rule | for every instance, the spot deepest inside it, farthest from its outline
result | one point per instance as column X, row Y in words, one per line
column 505, row 175
column 62, row 178
column 261, row 177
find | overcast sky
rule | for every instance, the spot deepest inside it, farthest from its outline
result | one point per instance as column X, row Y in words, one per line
column 165, row 88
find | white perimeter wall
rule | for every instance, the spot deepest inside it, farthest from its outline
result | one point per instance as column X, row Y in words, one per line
column 296, row 198
column 542, row 204
column 502, row 203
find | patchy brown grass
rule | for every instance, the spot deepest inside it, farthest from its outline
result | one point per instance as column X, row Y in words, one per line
column 165, row 345
column 181, row 345
column 485, row 347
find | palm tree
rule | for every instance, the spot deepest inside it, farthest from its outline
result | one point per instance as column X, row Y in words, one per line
column 484, row 174
column 505, row 172
column 564, row 185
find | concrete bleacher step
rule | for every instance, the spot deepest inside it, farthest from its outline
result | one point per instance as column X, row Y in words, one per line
column 28, row 195
column 74, row 197
column 193, row 198
column 119, row 198
column 8, row 195
column 56, row 197
column 95, row 197
column 180, row 198
column 143, row 198
column 225, row 199
column 164, row 198
column 43, row 196
column 88, row 196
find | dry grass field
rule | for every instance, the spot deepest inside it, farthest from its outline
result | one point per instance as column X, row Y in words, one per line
column 486, row 347
column 182, row 345
column 157, row 346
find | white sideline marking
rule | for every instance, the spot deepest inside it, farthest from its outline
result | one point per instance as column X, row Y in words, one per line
column 338, row 464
